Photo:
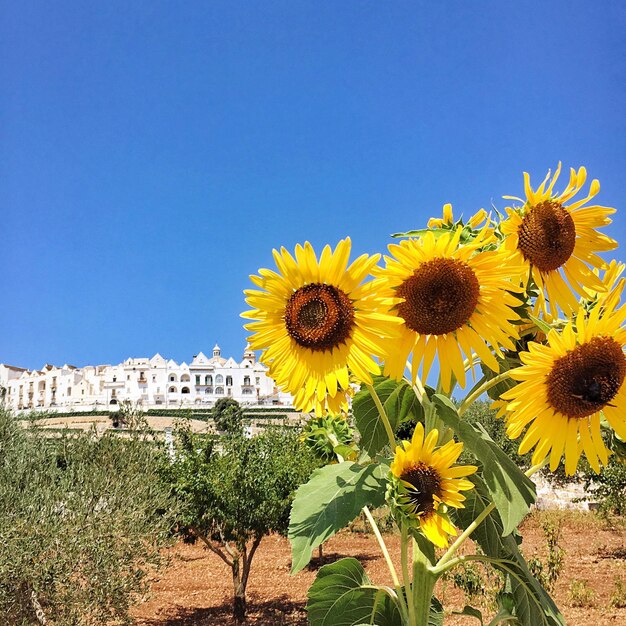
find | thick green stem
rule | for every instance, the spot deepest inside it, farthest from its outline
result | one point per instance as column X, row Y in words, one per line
column 383, row 417
column 424, row 579
column 492, row 382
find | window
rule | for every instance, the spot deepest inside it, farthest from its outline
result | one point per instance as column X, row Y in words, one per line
column 197, row 379
column 184, row 390
column 208, row 380
column 69, row 391
column 208, row 390
column 128, row 377
column 229, row 381
column 246, row 380
column 246, row 390
column 257, row 380
column 219, row 391
column 154, row 379
column 114, row 379
column 172, row 390
column 172, row 378
column 219, row 378
column 185, row 378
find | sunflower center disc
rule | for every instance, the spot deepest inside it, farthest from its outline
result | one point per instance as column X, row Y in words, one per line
column 424, row 481
column 440, row 296
column 586, row 379
column 319, row 317
column 547, row 236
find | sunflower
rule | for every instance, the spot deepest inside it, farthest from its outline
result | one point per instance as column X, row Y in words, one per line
column 565, row 387
column 447, row 219
column 316, row 322
column 450, row 299
column 613, row 285
column 424, row 484
column 558, row 242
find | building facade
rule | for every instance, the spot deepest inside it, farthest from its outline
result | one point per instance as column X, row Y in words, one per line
column 147, row 383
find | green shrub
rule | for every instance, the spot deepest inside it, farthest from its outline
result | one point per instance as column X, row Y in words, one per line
column 581, row 594
column 618, row 597
column 548, row 572
column 82, row 521
column 608, row 487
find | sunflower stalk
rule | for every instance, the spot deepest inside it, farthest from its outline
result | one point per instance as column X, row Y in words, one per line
column 383, row 416
column 424, row 579
column 400, row 596
column 492, row 382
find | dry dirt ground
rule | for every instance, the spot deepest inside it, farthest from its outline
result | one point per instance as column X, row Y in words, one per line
column 196, row 589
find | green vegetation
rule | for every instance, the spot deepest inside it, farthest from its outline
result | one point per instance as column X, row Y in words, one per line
column 236, row 492
column 228, row 416
column 548, row 573
column 82, row 523
column 205, row 413
column 609, row 487
column 581, row 594
column 618, row 597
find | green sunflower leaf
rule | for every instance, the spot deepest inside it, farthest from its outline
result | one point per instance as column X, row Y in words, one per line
column 400, row 404
column 510, row 489
column 420, row 232
column 342, row 595
column 436, row 613
column 524, row 601
column 333, row 497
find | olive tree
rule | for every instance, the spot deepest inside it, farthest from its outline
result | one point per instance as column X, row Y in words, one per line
column 234, row 491
column 82, row 523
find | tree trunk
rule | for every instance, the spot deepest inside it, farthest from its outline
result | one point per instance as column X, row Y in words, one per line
column 239, row 603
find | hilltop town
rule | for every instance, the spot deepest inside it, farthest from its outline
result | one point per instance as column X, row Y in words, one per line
column 147, row 382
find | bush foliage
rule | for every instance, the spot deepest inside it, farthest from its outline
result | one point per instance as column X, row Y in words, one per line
column 82, row 522
column 235, row 491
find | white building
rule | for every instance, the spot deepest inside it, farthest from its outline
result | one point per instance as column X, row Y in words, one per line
column 148, row 383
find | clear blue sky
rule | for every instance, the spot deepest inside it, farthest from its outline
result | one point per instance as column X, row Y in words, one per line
column 153, row 153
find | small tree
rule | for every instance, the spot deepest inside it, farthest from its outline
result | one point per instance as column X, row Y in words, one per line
column 228, row 415
column 236, row 493
column 82, row 522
